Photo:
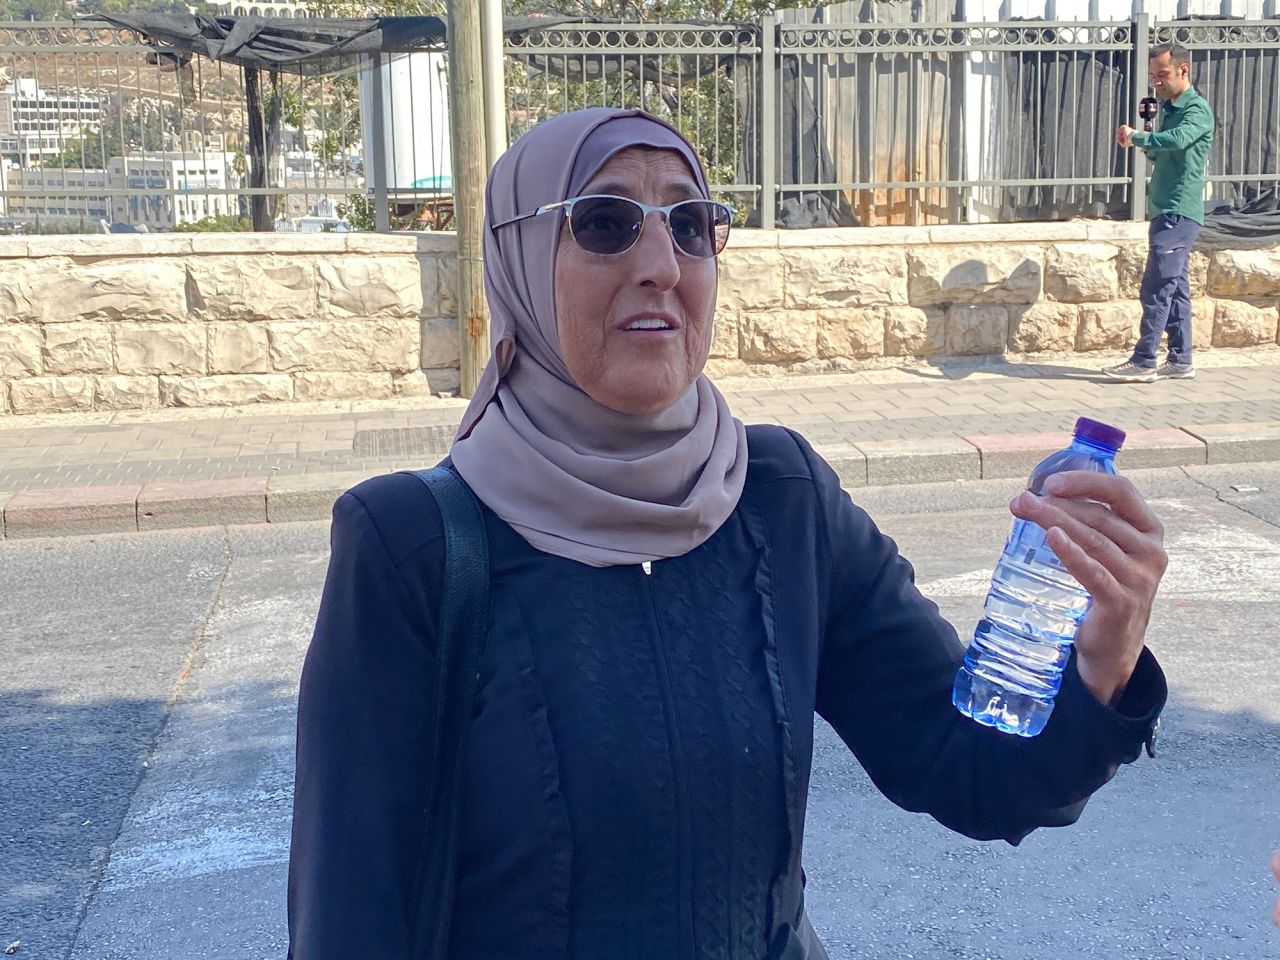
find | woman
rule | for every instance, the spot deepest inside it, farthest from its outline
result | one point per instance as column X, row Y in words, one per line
column 673, row 598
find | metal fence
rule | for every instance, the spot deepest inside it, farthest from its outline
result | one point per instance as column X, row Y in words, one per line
column 101, row 129
column 800, row 123
column 917, row 123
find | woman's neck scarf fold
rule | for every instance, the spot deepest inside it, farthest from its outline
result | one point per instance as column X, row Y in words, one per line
column 572, row 477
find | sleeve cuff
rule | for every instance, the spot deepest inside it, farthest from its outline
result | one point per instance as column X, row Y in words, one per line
column 1133, row 723
column 1140, row 138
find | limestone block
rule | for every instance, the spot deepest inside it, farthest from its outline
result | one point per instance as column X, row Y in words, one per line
column 336, row 385
column 433, row 304
column 440, row 345
column 72, row 348
column 1043, row 327
column 139, row 290
column 1108, row 326
column 912, row 332
column 396, row 346
column 962, row 274
column 51, row 394
column 1198, row 273
column 854, row 334
column 1240, row 324
column 127, row 393
column 977, row 330
column 1131, row 262
column 163, row 348
column 18, row 279
column 779, row 336
column 252, row 288
column 1245, row 273
column 854, row 276
column 447, row 286
column 20, row 354
column 724, row 341
column 411, row 384
column 1203, row 313
column 238, row 348
column 221, row 391
column 1081, row 272
column 750, row 279
column 386, row 345
column 370, row 286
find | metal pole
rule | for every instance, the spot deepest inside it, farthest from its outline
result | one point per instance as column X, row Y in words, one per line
column 1141, row 80
column 378, row 150
column 495, row 81
column 466, row 113
column 768, row 120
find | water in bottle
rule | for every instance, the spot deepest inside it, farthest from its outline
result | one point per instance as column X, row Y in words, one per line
column 1013, row 667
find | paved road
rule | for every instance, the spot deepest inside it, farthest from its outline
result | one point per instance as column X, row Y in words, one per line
column 146, row 714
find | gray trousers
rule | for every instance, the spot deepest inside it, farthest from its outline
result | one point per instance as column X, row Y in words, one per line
column 1166, row 291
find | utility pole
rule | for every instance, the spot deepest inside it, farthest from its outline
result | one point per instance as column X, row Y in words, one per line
column 466, row 108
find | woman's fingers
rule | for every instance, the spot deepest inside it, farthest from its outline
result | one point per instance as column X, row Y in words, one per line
column 1091, row 573
column 1132, row 557
column 1074, row 513
column 1116, row 492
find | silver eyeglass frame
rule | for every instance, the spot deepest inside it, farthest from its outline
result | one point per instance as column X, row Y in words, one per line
column 568, row 205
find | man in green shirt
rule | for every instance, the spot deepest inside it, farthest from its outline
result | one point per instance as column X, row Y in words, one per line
column 1175, row 207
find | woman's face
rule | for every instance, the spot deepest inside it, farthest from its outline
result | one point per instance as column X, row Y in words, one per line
column 602, row 300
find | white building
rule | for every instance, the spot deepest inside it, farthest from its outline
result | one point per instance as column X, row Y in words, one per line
column 85, row 204
column 290, row 9
column 163, row 187
column 36, row 123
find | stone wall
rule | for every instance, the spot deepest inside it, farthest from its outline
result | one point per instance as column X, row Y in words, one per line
column 114, row 322
column 822, row 300
column 195, row 320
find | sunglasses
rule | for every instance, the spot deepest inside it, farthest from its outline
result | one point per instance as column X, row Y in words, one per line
column 609, row 225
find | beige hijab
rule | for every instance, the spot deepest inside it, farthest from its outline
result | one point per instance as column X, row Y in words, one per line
column 574, row 478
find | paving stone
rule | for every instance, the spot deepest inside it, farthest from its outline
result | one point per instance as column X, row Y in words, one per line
column 72, row 511
column 309, row 496
column 848, row 462
column 921, row 461
column 202, row 503
column 1014, row 455
column 1164, row 447
column 1238, row 442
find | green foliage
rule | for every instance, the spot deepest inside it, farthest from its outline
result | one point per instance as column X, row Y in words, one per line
column 217, row 223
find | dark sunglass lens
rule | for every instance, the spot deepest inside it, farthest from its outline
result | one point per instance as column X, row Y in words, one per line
column 700, row 227
column 605, row 224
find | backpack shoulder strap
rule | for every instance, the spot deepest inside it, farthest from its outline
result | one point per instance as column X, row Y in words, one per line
column 464, row 629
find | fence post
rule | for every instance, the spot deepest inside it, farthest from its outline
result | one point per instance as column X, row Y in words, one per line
column 1141, row 80
column 768, row 120
column 378, row 125
column 466, row 115
column 495, row 86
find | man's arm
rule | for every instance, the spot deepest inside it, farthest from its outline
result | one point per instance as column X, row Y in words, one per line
column 1198, row 123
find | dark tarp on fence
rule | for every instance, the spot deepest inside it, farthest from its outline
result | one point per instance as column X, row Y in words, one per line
column 307, row 46
column 1059, row 113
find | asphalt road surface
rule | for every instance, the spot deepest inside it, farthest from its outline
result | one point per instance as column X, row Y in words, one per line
column 146, row 725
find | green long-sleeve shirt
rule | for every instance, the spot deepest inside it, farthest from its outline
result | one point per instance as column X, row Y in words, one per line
column 1180, row 150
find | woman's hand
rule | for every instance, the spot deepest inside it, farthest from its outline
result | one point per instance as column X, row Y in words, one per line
column 1109, row 540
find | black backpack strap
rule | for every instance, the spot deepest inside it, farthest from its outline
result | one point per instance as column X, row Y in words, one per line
column 464, row 628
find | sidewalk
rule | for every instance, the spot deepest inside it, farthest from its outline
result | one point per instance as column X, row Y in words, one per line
column 957, row 420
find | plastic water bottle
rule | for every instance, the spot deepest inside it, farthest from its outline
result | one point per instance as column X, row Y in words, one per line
column 1013, row 667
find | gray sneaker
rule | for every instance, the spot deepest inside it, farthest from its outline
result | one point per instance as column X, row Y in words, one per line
column 1175, row 371
column 1131, row 372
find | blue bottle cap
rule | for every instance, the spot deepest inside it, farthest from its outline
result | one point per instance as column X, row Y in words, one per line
column 1099, row 432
